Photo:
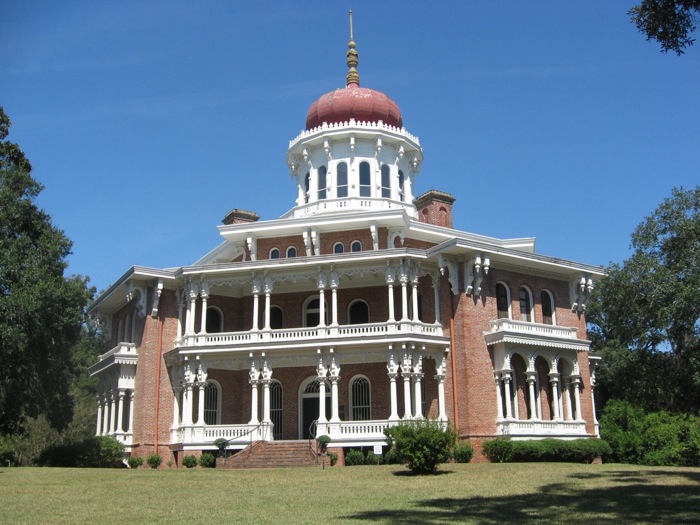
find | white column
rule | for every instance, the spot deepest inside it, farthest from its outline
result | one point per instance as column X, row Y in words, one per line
column 414, row 297
column 113, row 415
column 507, row 394
column 120, row 412
column 533, row 398
column 436, row 296
column 187, row 405
column 253, row 375
column 417, row 387
column 130, row 429
column 205, row 297
column 499, row 397
column 404, row 299
column 200, row 404
column 334, row 305
column 576, row 384
column 393, row 369
column 255, row 310
column 335, row 418
column 98, row 429
column 554, row 381
column 321, row 307
column 406, row 373
column 176, row 408
column 105, row 415
column 569, row 412
column 392, row 315
column 267, row 310
column 179, row 314
column 442, row 413
column 266, row 401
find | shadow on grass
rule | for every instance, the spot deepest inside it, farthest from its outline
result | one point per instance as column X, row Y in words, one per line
column 411, row 474
column 627, row 497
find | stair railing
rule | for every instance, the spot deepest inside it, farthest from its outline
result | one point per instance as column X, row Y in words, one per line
column 312, row 439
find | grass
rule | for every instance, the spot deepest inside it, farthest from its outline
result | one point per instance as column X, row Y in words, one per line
column 478, row 493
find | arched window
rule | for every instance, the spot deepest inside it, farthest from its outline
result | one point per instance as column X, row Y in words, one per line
column 276, row 409
column 386, row 182
column 276, row 318
column 547, row 307
column 215, row 320
column 291, row 252
column 525, row 304
column 307, row 186
column 274, row 253
column 358, row 312
column 321, row 183
column 338, row 247
column 502, row 301
column 312, row 312
column 342, row 180
column 356, row 246
column 401, row 185
column 360, row 399
column 212, row 403
column 365, row 180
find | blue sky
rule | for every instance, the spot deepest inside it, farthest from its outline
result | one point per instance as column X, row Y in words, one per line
column 147, row 121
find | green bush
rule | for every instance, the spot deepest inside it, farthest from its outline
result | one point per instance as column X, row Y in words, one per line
column 499, row 450
column 207, row 460
column 462, row 452
column 422, row 445
column 333, row 457
column 502, row 450
column 657, row 438
column 190, row 461
column 354, row 457
column 94, row 452
column 221, row 444
column 154, row 460
column 135, row 461
column 372, row 459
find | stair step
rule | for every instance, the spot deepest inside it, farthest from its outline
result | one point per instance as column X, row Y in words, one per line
column 274, row 454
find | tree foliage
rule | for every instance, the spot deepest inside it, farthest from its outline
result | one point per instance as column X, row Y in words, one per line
column 41, row 310
column 645, row 316
column 670, row 22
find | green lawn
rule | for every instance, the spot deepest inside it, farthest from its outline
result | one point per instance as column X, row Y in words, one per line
column 478, row 493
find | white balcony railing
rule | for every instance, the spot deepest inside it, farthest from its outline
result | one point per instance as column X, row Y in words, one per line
column 290, row 335
column 531, row 428
column 548, row 330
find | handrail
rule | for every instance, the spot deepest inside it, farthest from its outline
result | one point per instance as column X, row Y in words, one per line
column 248, row 433
column 312, row 437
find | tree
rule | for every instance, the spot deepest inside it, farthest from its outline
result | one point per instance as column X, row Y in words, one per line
column 41, row 310
column 645, row 316
column 670, row 22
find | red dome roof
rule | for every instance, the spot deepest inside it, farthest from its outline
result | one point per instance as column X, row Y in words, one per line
column 362, row 104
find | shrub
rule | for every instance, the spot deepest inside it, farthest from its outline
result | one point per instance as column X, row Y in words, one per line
column 135, row 461
column 221, row 444
column 94, row 452
column 499, row 450
column 334, row 458
column 620, row 426
column 154, row 460
column 190, row 461
column 207, row 460
column 462, row 452
column 372, row 459
column 354, row 457
column 422, row 445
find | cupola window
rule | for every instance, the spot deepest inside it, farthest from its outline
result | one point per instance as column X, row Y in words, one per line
column 274, row 253
column 386, row 182
column 307, row 185
column 365, row 180
column 356, row 246
column 338, row 247
column 342, row 180
column 321, row 183
column 291, row 252
column 401, row 184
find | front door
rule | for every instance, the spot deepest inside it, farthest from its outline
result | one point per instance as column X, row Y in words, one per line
column 309, row 407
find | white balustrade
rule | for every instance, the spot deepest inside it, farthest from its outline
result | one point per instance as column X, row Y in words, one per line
column 508, row 325
column 542, row 428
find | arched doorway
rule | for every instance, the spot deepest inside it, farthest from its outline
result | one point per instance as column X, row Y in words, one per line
column 308, row 406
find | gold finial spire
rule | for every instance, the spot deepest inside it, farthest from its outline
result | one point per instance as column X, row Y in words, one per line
column 353, row 77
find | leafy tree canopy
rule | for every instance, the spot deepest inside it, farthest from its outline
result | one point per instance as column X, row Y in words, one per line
column 670, row 22
column 41, row 310
column 645, row 317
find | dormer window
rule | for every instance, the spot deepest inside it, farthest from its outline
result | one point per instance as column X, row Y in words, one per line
column 342, row 180
column 386, row 182
column 365, row 180
column 321, row 183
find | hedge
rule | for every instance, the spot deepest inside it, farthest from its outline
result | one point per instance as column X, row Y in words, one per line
column 503, row 450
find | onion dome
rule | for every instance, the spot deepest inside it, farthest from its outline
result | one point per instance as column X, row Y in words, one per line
column 353, row 101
